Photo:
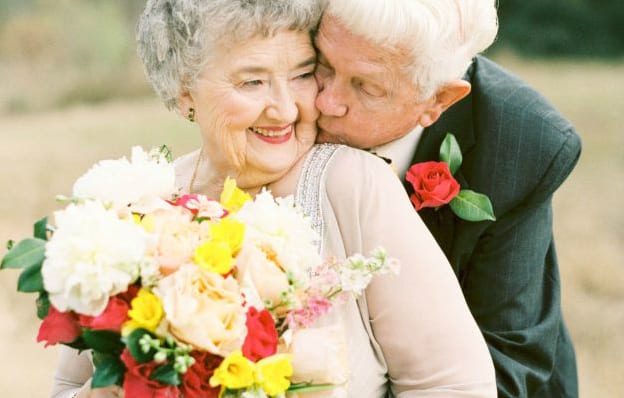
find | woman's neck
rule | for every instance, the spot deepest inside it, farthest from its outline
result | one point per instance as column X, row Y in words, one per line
column 208, row 179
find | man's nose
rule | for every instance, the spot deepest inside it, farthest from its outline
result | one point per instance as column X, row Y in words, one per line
column 282, row 106
column 329, row 100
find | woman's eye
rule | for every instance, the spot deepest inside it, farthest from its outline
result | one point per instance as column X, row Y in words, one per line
column 252, row 83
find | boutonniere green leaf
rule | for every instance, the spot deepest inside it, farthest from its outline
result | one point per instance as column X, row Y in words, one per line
column 450, row 153
column 435, row 186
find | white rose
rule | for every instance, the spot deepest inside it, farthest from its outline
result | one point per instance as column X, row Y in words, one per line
column 280, row 226
column 256, row 272
column 142, row 183
column 91, row 256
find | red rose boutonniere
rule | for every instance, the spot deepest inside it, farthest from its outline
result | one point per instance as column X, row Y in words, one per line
column 434, row 186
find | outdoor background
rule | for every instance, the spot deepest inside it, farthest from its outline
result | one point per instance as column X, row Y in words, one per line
column 72, row 92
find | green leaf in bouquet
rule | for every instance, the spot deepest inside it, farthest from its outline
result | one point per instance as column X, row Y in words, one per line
column 472, row 206
column 108, row 371
column 41, row 229
column 166, row 152
column 166, row 374
column 27, row 253
column 78, row 344
column 132, row 342
column 229, row 393
column 309, row 387
column 43, row 305
column 450, row 153
column 103, row 341
column 30, row 280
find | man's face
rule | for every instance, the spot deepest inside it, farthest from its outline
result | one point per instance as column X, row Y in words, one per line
column 366, row 96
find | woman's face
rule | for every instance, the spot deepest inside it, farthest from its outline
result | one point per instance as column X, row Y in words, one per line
column 255, row 107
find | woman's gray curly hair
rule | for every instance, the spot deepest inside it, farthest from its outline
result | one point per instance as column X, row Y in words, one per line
column 177, row 38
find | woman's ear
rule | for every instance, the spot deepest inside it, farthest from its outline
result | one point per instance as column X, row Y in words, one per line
column 185, row 104
column 443, row 99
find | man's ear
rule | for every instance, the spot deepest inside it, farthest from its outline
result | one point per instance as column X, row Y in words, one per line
column 443, row 99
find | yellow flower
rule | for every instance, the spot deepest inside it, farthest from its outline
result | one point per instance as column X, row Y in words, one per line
column 214, row 256
column 273, row 374
column 229, row 231
column 235, row 372
column 146, row 312
column 233, row 198
column 148, row 223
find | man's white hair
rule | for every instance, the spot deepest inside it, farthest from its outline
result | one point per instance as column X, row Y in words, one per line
column 442, row 36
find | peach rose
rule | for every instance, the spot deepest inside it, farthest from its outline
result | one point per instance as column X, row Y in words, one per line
column 204, row 309
column 176, row 237
column 259, row 270
column 318, row 355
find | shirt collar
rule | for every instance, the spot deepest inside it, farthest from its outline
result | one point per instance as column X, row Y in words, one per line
column 401, row 151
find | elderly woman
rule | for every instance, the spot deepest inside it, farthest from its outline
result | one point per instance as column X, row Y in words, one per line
column 243, row 70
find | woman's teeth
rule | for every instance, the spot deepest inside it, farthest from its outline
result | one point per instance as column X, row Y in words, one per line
column 270, row 133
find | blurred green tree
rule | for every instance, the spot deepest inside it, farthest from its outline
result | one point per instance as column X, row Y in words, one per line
column 562, row 27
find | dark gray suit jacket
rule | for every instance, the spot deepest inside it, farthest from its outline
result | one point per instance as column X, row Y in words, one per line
column 518, row 150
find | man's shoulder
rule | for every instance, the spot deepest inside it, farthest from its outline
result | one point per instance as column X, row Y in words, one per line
column 498, row 92
column 521, row 142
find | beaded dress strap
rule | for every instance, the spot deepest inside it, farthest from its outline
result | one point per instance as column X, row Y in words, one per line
column 308, row 195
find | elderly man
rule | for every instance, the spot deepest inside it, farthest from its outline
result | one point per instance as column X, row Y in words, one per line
column 390, row 77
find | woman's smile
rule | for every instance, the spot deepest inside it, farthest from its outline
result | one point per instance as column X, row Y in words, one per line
column 273, row 134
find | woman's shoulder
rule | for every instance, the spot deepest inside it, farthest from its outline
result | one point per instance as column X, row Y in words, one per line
column 358, row 163
column 358, row 171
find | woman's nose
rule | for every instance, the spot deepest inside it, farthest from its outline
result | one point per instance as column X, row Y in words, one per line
column 282, row 106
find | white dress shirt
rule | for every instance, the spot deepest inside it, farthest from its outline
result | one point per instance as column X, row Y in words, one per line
column 401, row 151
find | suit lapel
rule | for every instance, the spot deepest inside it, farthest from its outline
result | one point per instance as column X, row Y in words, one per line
column 457, row 120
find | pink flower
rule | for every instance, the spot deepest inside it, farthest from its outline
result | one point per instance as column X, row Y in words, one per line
column 201, row 206
column 316, row 306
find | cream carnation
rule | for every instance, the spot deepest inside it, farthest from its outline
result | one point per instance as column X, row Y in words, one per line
column 91, row 256
column 204, row 309
column 143, row 182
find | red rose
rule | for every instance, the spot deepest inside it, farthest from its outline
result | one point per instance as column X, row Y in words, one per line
column 137, row 382
column 130, row 293
column 261, row 340
column 433, row 184
column 114, row 315
column 195, row 382
column 59, row 327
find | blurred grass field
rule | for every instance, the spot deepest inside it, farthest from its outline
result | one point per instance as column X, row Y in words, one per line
column 44, row 152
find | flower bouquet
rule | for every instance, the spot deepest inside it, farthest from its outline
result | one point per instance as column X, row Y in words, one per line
column 183, row 295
